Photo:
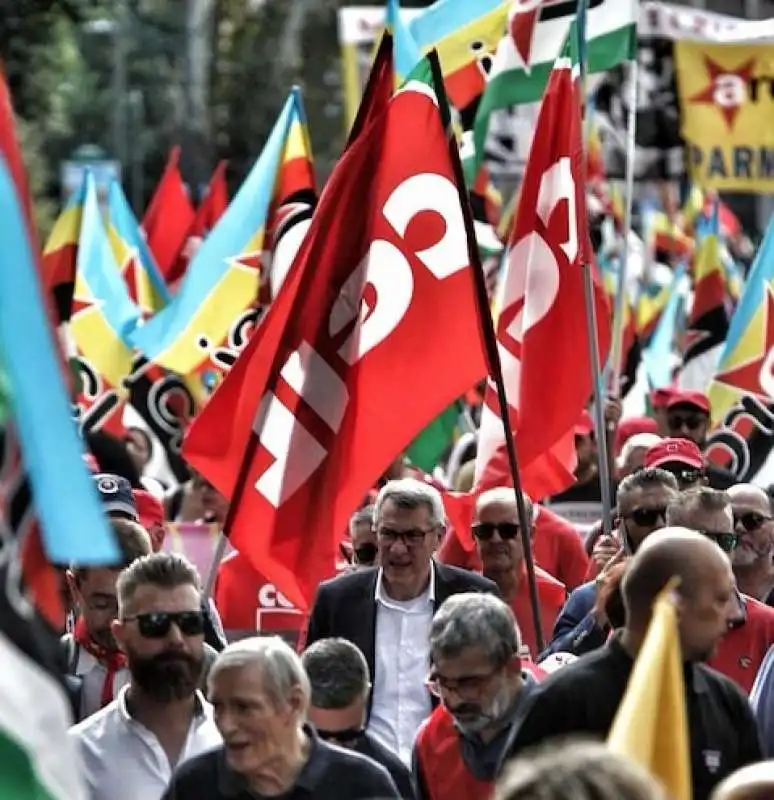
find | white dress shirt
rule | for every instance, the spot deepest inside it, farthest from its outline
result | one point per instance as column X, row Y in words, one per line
column 123, row 760
column 400, row 700
column 93, row 674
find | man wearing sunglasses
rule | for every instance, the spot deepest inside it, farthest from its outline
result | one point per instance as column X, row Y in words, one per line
column 751, row 631
column 681, row 458
column 688, row 417
column 497, row 534
column 361, row 531
column 338, row 675
column 387, row 610
column 131, row 747
column 642, row 501
column 752, row 559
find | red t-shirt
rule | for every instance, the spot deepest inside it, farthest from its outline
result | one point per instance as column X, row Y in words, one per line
column 249, row 604
column 743, row 648
column 556, row 547
column 551, row 597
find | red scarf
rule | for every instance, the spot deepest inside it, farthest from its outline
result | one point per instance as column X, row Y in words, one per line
column 112, row 660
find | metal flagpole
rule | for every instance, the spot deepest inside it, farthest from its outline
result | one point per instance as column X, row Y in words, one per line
column 616, row 344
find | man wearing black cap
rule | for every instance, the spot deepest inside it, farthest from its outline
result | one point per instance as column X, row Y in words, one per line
column 688, row 417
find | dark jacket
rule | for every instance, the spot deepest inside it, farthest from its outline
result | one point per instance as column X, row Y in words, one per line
column 583, row 698
column 345, row 606
column 575, row 630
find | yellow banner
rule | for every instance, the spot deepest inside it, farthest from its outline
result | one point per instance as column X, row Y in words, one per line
column 727, row 106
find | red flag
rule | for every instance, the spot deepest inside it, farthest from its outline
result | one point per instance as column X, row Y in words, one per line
column 541, row 329
column 321, row 390
column 169, row 216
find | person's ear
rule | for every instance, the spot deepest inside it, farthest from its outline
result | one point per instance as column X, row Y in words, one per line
column 296, row 701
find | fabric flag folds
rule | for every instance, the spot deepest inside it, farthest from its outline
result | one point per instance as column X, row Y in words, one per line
column 651, row 726
column 319, row 394
column 535, row 35
column 541, row 320
column 207, row 322
column 169, row 216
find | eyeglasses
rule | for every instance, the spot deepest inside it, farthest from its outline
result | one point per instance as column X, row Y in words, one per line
column 687, row 476
column 345, row 736
column 156, row 625
column 411, row 538
column 366, row 553
column 465, row 687
column 751, row 520
column 484, row 531
column 646, row 516
column 727, row 542
column 689, row 421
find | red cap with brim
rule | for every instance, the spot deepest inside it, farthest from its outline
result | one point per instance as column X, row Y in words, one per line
column 659, row 398
column 696, row 399
column 674, row 451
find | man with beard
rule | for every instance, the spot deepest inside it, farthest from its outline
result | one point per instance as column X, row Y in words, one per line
column 159, row 719
column 477, row 675
column 90, row 654
column 751, row 559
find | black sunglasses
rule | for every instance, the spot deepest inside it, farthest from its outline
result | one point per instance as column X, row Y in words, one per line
column 484, row 531
column 689, row 421
column 366, row 553
column 156, row 624
column 727, row 542
column 344, row 736
column 751, row 520
column 646, row 516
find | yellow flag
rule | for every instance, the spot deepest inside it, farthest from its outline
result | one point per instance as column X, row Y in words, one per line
column 651, row 726
column 726, row 106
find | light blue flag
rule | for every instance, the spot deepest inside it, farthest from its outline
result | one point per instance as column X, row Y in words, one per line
column 406, row 52
column 151, row 288
column 222, row 280
column 659, row 356
column 73, row 525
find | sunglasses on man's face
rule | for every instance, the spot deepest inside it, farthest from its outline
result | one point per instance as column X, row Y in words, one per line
column 646, row 516
column 750, row 520
column 692, row 422
column 484, row 531
column 366, row 553
column 156, row 625
column 345, row 736
column 727, row 542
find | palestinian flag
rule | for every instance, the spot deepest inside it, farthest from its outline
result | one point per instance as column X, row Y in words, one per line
column 535, row 36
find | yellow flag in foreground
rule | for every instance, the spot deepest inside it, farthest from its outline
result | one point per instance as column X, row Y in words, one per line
column 651, row 726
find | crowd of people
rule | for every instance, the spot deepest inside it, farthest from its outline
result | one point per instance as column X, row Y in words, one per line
column 421, row 671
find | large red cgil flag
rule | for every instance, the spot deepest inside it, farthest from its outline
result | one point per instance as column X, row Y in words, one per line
column 375, row 331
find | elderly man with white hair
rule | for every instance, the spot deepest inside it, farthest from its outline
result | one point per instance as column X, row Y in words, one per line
column 477, row 674
column 260, row 695
column 387, row 610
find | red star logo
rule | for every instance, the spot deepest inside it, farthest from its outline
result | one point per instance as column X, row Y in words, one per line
column 523, row 20
column 755, row 375
column 82, row 304
column 727, row 94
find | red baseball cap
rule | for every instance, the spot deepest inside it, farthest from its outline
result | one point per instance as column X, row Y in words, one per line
column 696, row 399
column 669, row 451
column 659, row 398
column 585, row 425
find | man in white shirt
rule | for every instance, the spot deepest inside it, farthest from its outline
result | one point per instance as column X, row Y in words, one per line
column 387, row 610
column 132, row 746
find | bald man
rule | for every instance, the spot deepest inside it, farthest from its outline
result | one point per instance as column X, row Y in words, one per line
column 583, row 697
column 751, row 560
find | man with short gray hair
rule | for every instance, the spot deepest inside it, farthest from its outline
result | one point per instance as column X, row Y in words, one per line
column 260, row 693
column 387, row 610
column 477, row 674
column 338, row 674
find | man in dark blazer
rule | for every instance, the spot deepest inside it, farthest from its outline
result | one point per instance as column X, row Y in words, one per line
column 387, row 610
